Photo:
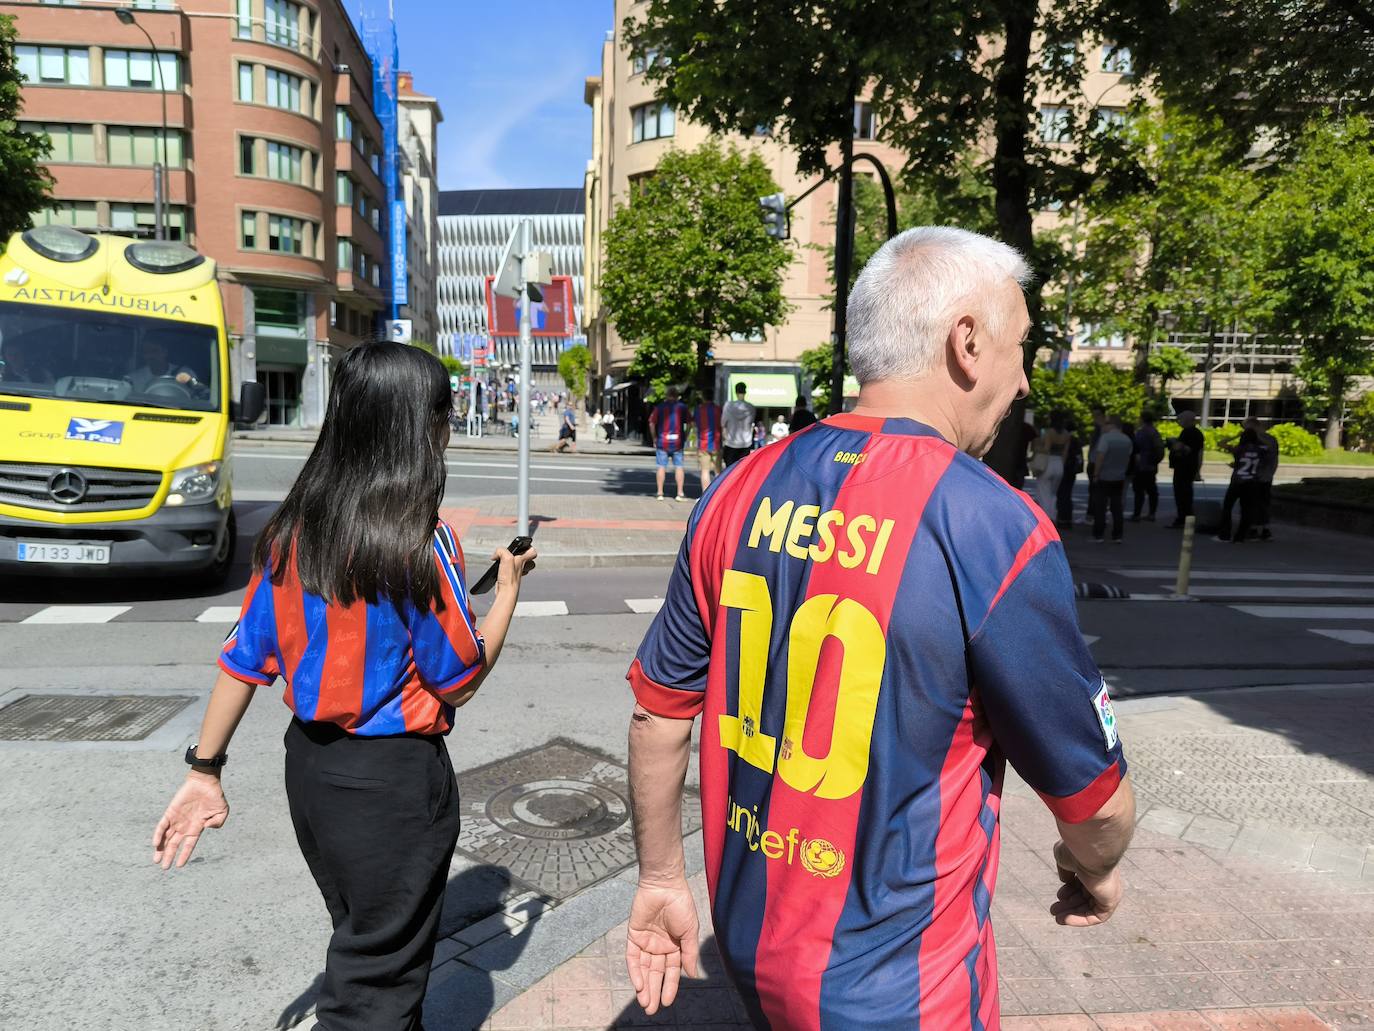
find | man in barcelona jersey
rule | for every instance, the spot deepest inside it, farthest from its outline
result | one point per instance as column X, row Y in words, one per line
column 870, row 623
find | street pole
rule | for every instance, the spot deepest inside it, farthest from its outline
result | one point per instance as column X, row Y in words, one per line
column 522, row 516
column 844, row 217
column 126, row 17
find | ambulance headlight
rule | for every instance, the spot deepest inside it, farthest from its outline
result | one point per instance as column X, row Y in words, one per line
column 196, row 485
column 60, row 243
column 162, row 256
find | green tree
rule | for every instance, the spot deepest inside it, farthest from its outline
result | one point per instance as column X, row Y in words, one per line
column 1089, row 385
column 453, row 366
column 28, row 184
column 1169, row 363
column 817, row 363
column 1360, row 422
column 1318, row 275
column 688, row 262
column 1178, row 245
column 573, row 366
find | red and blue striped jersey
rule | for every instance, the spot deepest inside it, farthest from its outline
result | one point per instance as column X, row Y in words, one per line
column 372, row 669
column 669, row 423
column 708, row 426
column 870, row 622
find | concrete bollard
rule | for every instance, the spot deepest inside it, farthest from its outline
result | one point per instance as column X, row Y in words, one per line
column 1185, row 558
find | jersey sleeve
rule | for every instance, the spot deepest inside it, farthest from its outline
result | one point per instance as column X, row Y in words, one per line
column 668, row 675
column 448, row 650
column 250, row 651
column 1045, row 701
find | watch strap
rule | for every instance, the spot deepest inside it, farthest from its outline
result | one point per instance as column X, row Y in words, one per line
column 214, row 762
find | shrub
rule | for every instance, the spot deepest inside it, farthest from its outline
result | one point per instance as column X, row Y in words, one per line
column 1221, row 438
column 1359, row 423
column 1168, row 429
column 1296, row 442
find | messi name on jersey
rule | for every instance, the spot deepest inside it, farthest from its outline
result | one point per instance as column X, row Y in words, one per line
column 807, row 532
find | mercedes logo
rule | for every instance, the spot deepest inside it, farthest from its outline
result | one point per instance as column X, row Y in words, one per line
column 66, row 486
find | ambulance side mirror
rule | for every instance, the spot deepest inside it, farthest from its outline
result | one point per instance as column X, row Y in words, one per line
column 249, row 407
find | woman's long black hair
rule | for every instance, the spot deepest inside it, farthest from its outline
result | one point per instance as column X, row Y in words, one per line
column 361, row 515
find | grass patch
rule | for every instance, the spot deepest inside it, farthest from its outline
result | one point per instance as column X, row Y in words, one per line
column 1334, row 456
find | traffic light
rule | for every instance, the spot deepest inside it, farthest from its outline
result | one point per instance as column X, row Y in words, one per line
column 774, row 208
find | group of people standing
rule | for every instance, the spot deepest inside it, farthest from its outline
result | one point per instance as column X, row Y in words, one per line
column 724, row 434
column 1120, row 452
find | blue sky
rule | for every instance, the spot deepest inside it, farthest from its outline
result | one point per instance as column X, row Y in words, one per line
column 508, row 75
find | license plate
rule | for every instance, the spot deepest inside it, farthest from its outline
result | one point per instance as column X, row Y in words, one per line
column 74, row 553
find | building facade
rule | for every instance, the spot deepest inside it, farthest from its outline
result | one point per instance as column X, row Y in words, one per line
column 272, row 153
column 474, row 226
column 418, row 132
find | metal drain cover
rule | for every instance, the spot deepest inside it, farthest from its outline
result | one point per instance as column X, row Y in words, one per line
column 69, row 717
column 557, row 817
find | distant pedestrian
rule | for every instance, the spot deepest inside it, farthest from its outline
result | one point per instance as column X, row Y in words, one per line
column 1185, row 459
column 668, row 423
column 358, row 601
column 1269, row 468
column 760, row 435
column 1073, row 465
column 1099, row 416
column 1111, row 458
column 802, row 416
column 567, row 429
column 608, row 424
column 1149, row 452
column 737, row 426
column 1245, row 487
column 1051, row 455
column 779, row 429
column 707, row 420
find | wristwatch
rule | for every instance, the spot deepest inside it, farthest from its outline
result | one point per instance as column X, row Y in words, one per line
column 214, row 762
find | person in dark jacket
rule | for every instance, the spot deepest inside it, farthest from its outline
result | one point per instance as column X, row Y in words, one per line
column 1185, row 458
column 1149, row 452
column 802, row 416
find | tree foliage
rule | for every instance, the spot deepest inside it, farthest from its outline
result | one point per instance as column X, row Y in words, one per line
column 1089, row 385
column 1169, row 364
column 688, row 261
column 28, row 184
column 1318, row 271
column 817, row 363
column 573, row 366
column 452, row 365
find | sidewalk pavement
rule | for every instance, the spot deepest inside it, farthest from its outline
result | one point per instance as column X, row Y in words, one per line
column 498, row 438
column 1226, row 924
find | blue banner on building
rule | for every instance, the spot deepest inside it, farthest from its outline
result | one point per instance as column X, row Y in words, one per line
column 379, row 37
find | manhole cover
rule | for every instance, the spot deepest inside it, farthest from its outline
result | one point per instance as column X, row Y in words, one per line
column 556, row 817
column 68, row 717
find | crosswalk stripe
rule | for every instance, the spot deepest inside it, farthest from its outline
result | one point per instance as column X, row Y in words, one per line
column 219, row 614
column 541, row 608
column 77, row 614
column 1308, row 611
column 644, row 605
column 1280, row 593
column 1348, row 636
column 1250, row 574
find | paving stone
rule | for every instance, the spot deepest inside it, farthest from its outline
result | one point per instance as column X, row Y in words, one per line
column 1302, row 986
column 1212, row 832
column 1178, row 991
column 1164, row 820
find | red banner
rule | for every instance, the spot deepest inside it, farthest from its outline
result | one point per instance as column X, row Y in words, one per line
column 551, row 317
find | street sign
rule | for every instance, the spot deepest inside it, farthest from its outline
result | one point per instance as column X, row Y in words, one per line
column 550, row 317
column 506, row 282
column 399, row 331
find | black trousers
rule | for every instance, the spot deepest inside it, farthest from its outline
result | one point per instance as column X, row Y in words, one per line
column 1144, row 484
column 377, row 821
column 1063, row 506
column 731, row 455
column 1103, row 494
column 1183, row 493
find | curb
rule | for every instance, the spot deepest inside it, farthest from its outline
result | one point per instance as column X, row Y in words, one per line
column 589, row 560
column 459, row 444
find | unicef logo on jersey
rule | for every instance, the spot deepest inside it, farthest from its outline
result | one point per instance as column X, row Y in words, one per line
column 821, row 858
column 101, row 431
column 817, row 856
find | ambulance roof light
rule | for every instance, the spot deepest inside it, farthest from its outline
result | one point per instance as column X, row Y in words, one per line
column 60, row 243
column 162, row 257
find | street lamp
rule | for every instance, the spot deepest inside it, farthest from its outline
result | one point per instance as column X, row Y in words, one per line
column 126, row 17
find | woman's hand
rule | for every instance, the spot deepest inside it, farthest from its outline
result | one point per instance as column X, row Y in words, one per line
column 199, row 803
column 513, row 567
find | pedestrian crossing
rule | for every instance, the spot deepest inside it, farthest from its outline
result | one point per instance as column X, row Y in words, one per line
column 224, row 615
column 1322, row 599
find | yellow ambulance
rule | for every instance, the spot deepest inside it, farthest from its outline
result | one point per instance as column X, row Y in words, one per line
column 115, row 410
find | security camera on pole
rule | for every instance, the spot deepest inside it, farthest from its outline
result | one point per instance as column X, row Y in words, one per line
column 521, row 273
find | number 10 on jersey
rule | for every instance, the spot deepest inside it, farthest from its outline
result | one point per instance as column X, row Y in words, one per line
column 841, row 770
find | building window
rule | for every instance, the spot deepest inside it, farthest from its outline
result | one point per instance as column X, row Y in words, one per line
column 279, row 312
column 1117, row 59
column 140, row 220
column 285, row 235
column 284, row 90
column 652, row 122
column 648, row 59
column 345, row 256
column 283, row 23
column 1106, row 119
column 80, row 214
column 245, row 19
column 74, row 143
column 343, row 123
column 54, row 64
column 865, row 122
column 136, row 69
column 343, row 190
column 285, row 162
column 1055, row 124
column 246, row 83
column 248, row 231
column 142, row 146
column 1059, row 56
column 248, row 155
column 376, row 274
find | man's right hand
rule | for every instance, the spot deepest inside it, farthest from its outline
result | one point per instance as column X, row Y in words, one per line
column 1086, row 898
column 661, row 942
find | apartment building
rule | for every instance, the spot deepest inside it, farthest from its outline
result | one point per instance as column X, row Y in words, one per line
column 272, row 153
column 418, row 137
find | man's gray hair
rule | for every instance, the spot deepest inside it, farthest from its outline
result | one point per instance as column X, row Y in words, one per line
column 903, row 306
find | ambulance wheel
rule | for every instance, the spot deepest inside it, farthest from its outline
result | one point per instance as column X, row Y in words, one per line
column 217, row 571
